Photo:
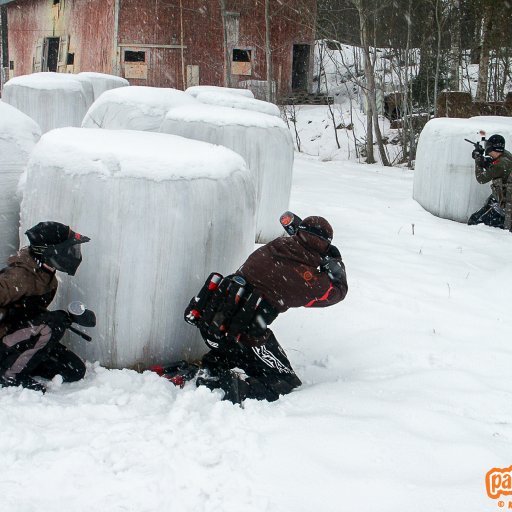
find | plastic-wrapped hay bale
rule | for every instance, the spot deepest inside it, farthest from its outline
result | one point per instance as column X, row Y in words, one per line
column 53, row 100
column 238, row 101
column 263, row 141
column 444, row 176
column 134, row 108
column 18, row 136
column 101, row 82
column 162, row 213
column 199, row 89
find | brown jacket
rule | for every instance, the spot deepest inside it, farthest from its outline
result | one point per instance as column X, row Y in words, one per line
column 285, row 271
column 25, row 288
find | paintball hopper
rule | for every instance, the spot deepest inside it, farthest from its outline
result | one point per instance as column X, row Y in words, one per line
column 80, row 315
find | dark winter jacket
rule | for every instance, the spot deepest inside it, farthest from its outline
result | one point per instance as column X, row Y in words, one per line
column 286, row 272
column 499, row 171
column 25, row 289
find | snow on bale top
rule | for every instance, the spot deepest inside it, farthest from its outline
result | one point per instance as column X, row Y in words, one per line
column 223, row 116
column 17, row 127
column 198, row 89
column 47, row 80
column 444, row 177
column 53, row 100
column 263, row 141
column 124, row 154
column 238, row 101
column 102, row 82
column 18, row 136
column 134, row 108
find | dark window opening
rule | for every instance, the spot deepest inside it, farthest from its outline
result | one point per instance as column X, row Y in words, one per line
column 52, row 54
column 70, row 61
column 241, row 55
column 56, row 2
column 131, row 56
column 11, row 65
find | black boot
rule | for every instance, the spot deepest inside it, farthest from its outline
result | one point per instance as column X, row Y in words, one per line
column 24, row 381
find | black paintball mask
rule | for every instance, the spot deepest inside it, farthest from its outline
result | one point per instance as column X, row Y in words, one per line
column 57, row 246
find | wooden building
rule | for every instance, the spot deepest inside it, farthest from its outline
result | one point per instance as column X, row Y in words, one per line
column 166, row 43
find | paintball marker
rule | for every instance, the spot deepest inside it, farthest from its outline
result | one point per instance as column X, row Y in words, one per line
column 79, row 314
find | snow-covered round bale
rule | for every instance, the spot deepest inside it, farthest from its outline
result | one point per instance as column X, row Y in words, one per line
column 262, row 140
column 18, row 136
column 53, row 100
column 198, row 89
column 162, row 213
column 134, row 108
column 238, row 101
column 444, row 177
column 101, row 82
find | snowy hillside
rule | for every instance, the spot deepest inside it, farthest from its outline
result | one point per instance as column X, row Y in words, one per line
column 406, row 402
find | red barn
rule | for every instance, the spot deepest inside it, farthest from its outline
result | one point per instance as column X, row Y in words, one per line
column 166, row 43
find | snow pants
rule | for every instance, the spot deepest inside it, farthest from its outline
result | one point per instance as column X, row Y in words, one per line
column 33, row 349
column 490, row 214
column 269, row 371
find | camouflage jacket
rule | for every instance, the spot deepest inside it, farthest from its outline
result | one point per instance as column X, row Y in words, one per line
column 499, row 172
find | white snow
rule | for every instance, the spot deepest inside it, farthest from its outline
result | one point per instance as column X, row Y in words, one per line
column 238, row 101
column 444, row 178
column 18, row 136
column 198, row 89
column 262, row 140
column 102, row 82
column 134, row 108
column 53, row 100
column 406, row 401
column 162, row 211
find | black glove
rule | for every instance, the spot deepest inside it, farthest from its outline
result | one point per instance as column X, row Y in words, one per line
column 477, row 153
column 333, row 267
column 333, row 252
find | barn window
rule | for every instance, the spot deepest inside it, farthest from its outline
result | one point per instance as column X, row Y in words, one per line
column 11, row 65
column 131, row 56
column 56, row 2
column 241, row 62
column 70, row 61
column 240, row 55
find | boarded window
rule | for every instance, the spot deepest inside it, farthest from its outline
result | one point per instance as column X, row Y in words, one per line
column 192, row 75
column 241, row 61
column 132, row 56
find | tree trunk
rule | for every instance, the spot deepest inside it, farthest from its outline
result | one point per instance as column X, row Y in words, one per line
column 369, row 71
column 455, row 50
column 227, row 59
column 268, row 52
column 483, row 70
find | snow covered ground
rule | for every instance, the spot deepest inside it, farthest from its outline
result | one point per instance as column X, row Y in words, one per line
column 406, row 402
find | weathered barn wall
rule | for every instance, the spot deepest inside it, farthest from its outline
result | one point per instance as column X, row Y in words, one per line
column 147, row 26
column 85, row 29
column 162, row 43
